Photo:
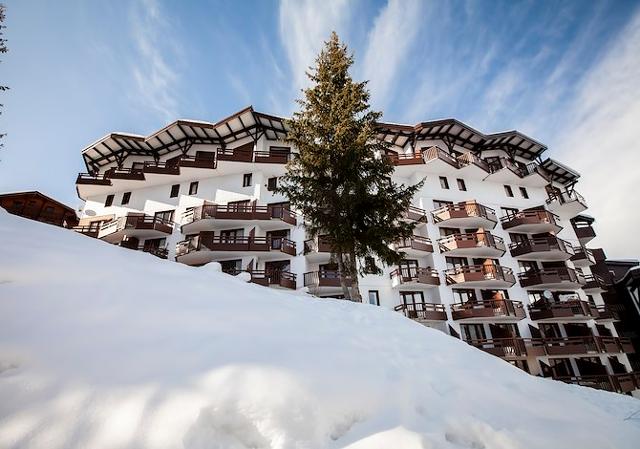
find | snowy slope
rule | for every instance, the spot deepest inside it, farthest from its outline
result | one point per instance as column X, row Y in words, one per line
column 101, row 347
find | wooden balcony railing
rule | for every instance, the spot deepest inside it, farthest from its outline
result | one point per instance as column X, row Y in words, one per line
column 423, row 311
column 405, row 159
column 283, row 278
column 566, row 197
column 248, row 243
column 530, row 217
column 241, row 212
column 544, row 310
column 471, row 240
column 508, row 347
column 606, row 313
column 470, row 209
column 322, row 278
column 620, row 383
column 137, row 221
column 594, row 281
column 583, row 255
column 419, row 275
column 99, row 179
column 90, row 231
column 414, row 213
column 416, row 242
column 488, row 308
column 469, row 158
column 321, row 244
column 479, row 273
column 541, row 245
column 549, row 276
column 127, row 173
column 584, row 231
column 433, row 153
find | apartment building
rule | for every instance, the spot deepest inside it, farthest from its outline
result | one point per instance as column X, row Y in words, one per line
column 499, row 255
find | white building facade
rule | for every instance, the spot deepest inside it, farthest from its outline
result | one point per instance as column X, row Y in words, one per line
column 498, row 257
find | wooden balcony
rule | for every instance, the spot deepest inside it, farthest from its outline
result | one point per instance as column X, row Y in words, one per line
column 270, row 278
column 545, row 248
column 606, row 314
column 556, row 278
column 480, row 276
column 468, row 214
column 617, row 383
column 399, row 159
column 162, row 167
column 423, row 311
column 583, row 257
column 572, row 310
column 98, row 179
column 488, row 310
column 566, row 204
column 415, row 245
column 416, row 277
column 416, row 214
column 125, row 173
column 509, row 348
column 437, row 157
column 207, row 247
column 531, row 222
column 207, row 216
column 89, row 231
column 323, row 282
column 474, row 244
column 135, row 225
column 468, row 160
column 243, row 153
column 571, row 346
column 317, row 249
column 583, row 229
column 594, row 283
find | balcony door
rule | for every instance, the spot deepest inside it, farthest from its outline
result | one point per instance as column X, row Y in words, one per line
column 408, row 269
column 165, row 215
column 231, row 266
column 473, row 332
column 230, row 235
column 276, row 237
column 239, row 206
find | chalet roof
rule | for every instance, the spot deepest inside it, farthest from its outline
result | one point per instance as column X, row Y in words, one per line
column 32, row 193
column 455, row 132
column 559, row 172
column 244, row 123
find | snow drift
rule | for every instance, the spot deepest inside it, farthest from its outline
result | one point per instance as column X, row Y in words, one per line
column 102, row 347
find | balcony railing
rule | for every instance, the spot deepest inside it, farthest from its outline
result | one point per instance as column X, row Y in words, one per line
column 282, row 278
column 433, row 153
column 405, row 158
column 415, row 275
column 565, row 197
column 321, row 244
column 584, row 231
column 620, row 383
column 550, row 276
column 99, row 179
column 414, row 213
column 241, row 212
column 136, row 221
column 126, row 173
column 469, row 158
column 594, row 281
column 488, row 308
column 423, row 311
column 509, row 347
column 90, row 231
column 551, row 246
column 531, row 220
column 480, row 274
column 249, row 243
column 472, row 241
column 417, row 243
column 606, row 313
column 464, row 210
column 583, row 256
column 322, row 278
column 545, row 310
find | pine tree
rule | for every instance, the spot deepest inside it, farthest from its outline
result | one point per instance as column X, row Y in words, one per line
column 341, row 181
column 3, row 49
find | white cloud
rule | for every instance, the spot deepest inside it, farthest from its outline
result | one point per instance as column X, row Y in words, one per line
column 305, row 25
column 600, row 141
column 389, row 42
column 153, row 71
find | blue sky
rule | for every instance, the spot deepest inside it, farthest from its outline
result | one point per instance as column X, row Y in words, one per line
column 567, row 73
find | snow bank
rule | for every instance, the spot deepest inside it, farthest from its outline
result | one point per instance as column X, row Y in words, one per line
column 101, row 347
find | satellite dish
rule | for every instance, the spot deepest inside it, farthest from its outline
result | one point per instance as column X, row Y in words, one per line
column 90, row 213
column 547, row 294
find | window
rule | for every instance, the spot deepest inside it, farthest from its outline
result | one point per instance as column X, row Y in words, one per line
column 165, row 215
column 126, row 196
column 175, row 190
column 370, row 265
column 524, row 193
column 272, row 183
column 193, row 188
column 246, row 179
column 461, row 185
column 444, row 182
column 109, row 201
column 508, row 191
column 473, row 331
column 456, row 262
column 464, row 295
column 374, row 297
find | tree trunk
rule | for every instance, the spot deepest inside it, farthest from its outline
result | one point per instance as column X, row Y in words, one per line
column 355, row 285
column 343, row 276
